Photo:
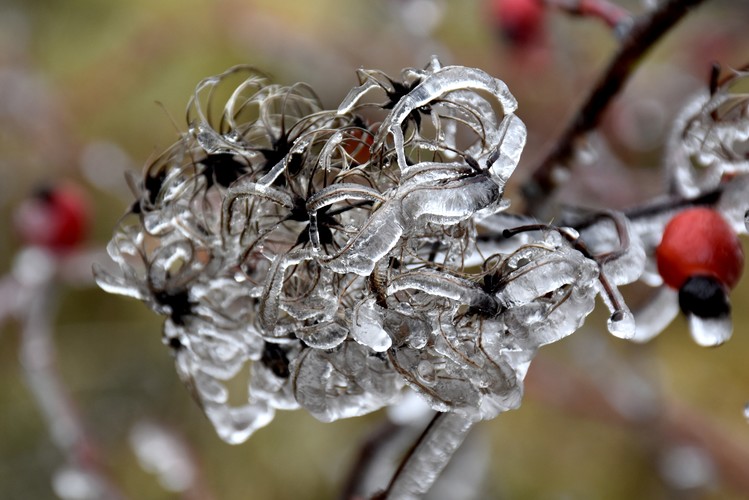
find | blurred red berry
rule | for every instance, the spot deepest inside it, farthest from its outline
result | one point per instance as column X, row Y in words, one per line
column 699, row 242
column 56, row 218
column 519, row 21
column 358, row 145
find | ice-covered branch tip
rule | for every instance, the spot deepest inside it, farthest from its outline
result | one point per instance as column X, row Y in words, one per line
column 341, row 256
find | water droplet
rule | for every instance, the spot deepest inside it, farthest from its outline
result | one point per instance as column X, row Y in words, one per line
column 709, row 332
column 236, row 424
column 426, row 372
column 622, row 324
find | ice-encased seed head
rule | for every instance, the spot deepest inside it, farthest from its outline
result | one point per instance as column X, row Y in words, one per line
column 327, row 252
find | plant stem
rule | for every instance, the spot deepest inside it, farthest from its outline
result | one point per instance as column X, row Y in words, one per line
column 37, row 353
column 429, row 456
column 643, row 34
column 610, row 13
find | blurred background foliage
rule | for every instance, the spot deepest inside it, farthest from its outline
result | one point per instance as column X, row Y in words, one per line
column 89, row 89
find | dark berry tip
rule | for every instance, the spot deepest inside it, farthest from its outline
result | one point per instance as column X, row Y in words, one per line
column 704, row 296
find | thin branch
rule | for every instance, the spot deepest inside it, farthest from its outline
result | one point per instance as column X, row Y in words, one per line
column 37, row 353
column 610, row 13
column 644, row 33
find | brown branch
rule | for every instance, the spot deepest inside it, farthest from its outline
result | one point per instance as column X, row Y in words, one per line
column 610, row 13
column 643, row 34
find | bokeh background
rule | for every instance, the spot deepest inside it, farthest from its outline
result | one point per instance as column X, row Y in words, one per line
column 91, row 88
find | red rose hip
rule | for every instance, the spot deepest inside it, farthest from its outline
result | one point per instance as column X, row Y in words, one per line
column 55, row 218
column 700, row 255
column 699, row 242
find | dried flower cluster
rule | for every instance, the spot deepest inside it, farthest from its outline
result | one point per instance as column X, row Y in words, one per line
column 327, row 259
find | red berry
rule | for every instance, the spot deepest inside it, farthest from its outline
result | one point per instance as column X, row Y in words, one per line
column 519, row 21
column 358, row 145
column 54, row 218
column 699, row 242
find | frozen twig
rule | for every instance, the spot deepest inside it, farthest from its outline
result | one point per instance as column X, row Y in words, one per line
column 643, row 34
column 429, row 456
column 67, row 430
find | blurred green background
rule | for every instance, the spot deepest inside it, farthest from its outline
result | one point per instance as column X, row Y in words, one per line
column 89, row 88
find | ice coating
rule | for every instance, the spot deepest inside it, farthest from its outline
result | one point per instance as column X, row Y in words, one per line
column 346, row 382
column 656, row 314
column 734, row 203
column 618, row 247
column 367, row 326
column 332, row 260
column 433, row 87
column 270, row 248
column 625, row 246
column 710, row 138
column 444, row 436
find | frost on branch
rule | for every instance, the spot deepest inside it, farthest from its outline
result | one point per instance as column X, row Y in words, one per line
column 328, row 259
